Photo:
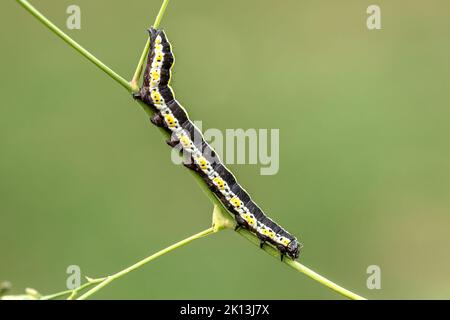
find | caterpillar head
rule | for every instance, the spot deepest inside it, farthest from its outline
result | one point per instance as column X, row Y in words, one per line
column 293, row 249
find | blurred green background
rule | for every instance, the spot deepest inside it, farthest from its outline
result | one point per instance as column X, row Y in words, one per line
column 364, row 157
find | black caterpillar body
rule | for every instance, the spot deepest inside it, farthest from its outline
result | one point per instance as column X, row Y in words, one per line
column 157, row 93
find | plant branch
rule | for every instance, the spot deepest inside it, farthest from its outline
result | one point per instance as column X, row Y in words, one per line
column 224, row 214
column 160, row 14
column 139, row 264
column 218, row 207
column 73, row 293
column 138, row 72
column 322, row 280
column 124, row 83
column 300, row 267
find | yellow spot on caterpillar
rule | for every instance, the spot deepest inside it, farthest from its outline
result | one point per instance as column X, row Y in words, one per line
column 203, row 163
column 158, row 40
column 185, row 141
column 159, row 57
column 170, row 120
column 158, row 47
column 219, row 183
column 236, row 202
column 249, row 219
column 285, row 241
column 155, row 75
column 156, row 97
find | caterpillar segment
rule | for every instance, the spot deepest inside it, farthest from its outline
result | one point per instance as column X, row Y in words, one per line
column 169, row 114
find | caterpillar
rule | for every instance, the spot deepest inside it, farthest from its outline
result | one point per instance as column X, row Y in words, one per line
column 157, row 93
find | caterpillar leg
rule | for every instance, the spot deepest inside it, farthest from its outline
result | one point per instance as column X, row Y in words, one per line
column 211, row 185
column 190, row 166
column 237, row 227
column 262, row 240
column 172, row 143
column 241, row 223
column 189, row 163
column 157, row 120
column 137, row 95
column 282, row 251
column 261, row 243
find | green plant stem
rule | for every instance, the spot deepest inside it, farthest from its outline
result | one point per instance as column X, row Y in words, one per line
column 124, row 83
column 251, row 237
column 317, row 277
column 139, row 68
column 72, row 293
column 160, row 14
column 300, row 267
column 139, row 264
column 225, row 214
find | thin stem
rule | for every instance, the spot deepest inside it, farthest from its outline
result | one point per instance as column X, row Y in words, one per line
column 139, row 264
column 124, row 83
column 133, row 87
column 301, row 268
column 73, row 293
column 138, row 72
column 251, row 237
column 321, row 279
column 56, row 295
column 160, row 14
